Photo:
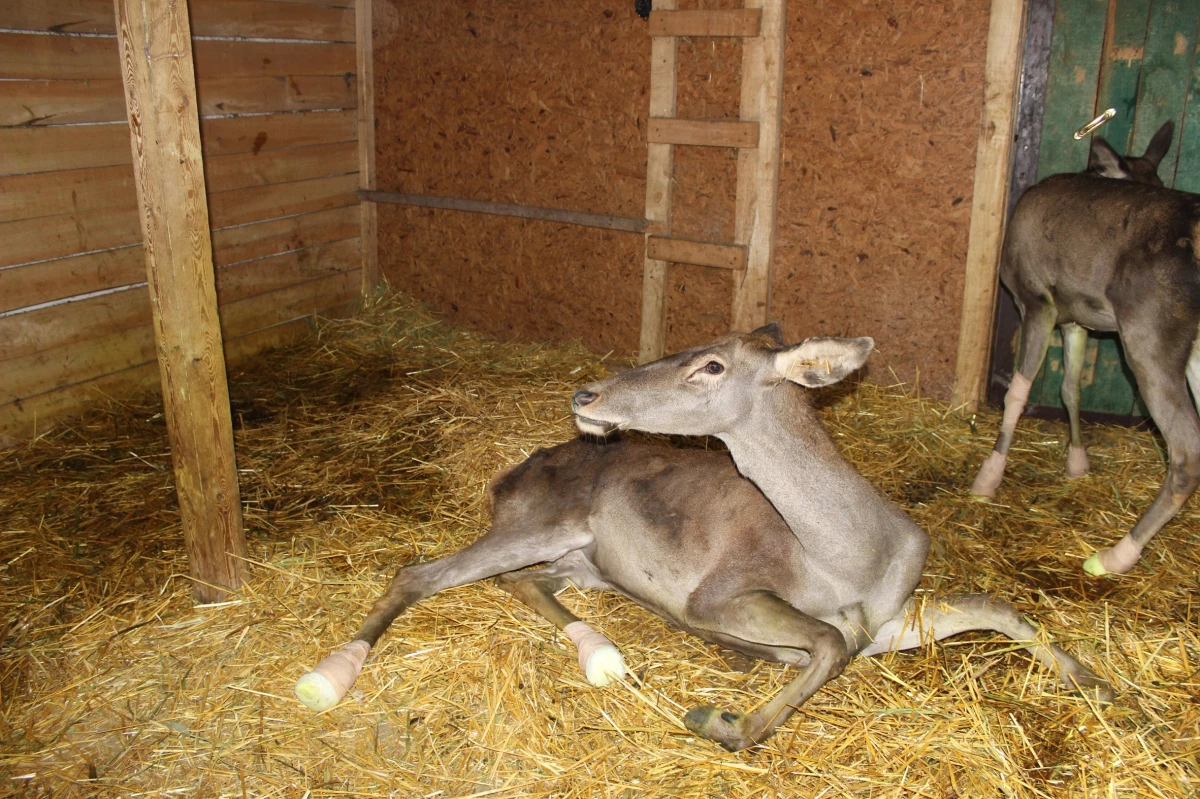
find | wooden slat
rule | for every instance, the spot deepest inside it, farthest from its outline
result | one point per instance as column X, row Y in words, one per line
column 303, row 299
column 257, row 203
column 582, row 218
column 276, row 272
column 1121, row 69
column 275, row 132
column 49, row 148
column 250, row 18
column 733, row 22
column 42, row 57
column 1187, row 172
column 78, row 190
column 366, row 145
column 64, row 102
column 240, row 170
column 67, row 234
column 989, row 204
column 703, row 132
column 702, row 253
column 82, row 190
column 58, row 279
column 660, row 159
column 45, row 149
column 1075, row 54
column 758, row 169
column 160, row 93
column 1166, row 75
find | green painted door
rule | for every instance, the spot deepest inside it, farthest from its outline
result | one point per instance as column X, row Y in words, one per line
column 1139, row 57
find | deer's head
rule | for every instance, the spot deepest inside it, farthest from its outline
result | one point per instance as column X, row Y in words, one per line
column 706, row 390
column 1103, row 160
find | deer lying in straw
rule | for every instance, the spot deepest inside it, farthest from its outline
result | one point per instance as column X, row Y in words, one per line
column 1090, row 253
column 804, row 563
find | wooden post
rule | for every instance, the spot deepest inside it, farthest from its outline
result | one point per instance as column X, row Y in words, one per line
column 989, row 205
column 366, row 145
column 660, row 160
column 160, row 95
column 758, row 168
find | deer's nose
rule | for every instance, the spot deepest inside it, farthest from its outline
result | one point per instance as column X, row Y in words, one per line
column 584, row 397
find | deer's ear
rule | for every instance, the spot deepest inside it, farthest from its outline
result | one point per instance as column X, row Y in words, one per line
column 772, row 331
column 1103, row 160
column 822, row 361
column 1160, row 144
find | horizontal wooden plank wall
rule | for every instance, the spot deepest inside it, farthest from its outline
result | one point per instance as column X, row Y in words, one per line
column 278, row 99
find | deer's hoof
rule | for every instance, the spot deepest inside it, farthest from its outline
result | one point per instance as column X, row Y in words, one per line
column 1092, row 686
column 725, row 728
column 1077, row 462
column 604, row 664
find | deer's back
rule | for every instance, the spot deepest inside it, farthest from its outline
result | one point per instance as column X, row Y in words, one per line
column 1090, row 242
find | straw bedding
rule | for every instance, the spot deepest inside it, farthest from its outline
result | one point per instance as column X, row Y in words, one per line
column 370, row 444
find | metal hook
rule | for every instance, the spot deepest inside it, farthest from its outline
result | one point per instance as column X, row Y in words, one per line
column 1095, row 123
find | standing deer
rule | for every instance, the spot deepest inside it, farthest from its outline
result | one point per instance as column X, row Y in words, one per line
column 803, row 563
column 1084, row 252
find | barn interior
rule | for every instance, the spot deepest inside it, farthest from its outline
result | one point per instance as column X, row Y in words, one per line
column 381, row 243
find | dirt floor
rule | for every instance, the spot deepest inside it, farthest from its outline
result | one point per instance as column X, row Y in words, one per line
column 369, row 445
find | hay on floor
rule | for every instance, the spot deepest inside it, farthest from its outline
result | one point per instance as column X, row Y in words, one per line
column 369, row 445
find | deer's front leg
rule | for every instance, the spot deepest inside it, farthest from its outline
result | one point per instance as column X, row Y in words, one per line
column 763, row 623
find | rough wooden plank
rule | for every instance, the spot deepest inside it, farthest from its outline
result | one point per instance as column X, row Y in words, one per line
column 57, row 368
column 729, row 22
column 256, row 203
column 701, row 253
column 67, row 234
column 160, row 94
column 1187, row 171
column 46, row 281
column 249, row 18
column 63, row 102
column 240, row 170
column 260, row 134
column 275, row 272
column 660, row 159
column 989, row 203
column 702, row 132
column 1075, row 55
column 42, row 57
column 78, row 190
column 1121, row 69
column 366, row 145
column 1166, row 76
column 758, row 169
column 45, row 149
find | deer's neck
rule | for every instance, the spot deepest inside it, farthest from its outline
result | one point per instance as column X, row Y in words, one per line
column 784, row 448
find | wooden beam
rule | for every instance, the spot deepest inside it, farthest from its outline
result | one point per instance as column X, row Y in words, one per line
column 703, row 132
column 160, row 94
column 989, row 204
column 701, row 253
column 732, row 22
column 507, row 209
column 366, row 147
column 660, row 160
column 758, row 169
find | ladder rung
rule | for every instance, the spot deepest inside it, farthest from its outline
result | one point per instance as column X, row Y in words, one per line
column 710, row 133
column 735, row 22
column 702, row 253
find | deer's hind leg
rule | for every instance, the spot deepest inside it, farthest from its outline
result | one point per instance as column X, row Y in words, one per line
column 599, row 658
column 1074, row 351
column 1037, row 323
column 940, row 618
column 761, row 623
column 501, row 550
column 1161, row 362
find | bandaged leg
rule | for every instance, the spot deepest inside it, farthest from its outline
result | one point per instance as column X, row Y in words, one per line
column 992, row 471
column 600, row 660
column 324, row 686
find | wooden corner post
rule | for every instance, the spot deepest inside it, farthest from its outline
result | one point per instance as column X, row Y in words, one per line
column 989, row 205
column 366, row 145
column 160, row 94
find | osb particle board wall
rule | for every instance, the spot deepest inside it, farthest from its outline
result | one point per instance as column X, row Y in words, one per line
column 544, row 103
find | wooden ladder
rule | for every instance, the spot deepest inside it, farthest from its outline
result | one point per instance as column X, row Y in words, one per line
column 755, row 134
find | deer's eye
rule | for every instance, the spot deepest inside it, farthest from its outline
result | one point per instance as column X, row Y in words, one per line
column 713, row 368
